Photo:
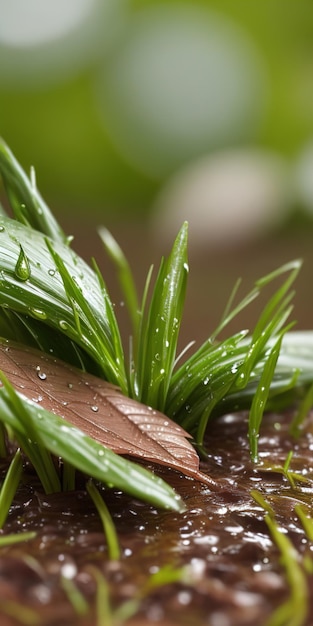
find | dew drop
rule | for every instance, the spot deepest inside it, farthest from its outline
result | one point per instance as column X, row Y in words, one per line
column 95, row 408
column 51, row 272
column 63, row 324
column 22, row 268
column 2, row 229
column 41, row 375
column 38, row 313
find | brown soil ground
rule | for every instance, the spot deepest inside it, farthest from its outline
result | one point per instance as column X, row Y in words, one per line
column 234, row 575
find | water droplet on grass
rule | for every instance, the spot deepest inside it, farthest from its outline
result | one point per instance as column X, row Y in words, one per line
column 38, row 313
column 22, row 267
column 63, row 325
column 41, row 375
column 2, row 229
column 95, row 408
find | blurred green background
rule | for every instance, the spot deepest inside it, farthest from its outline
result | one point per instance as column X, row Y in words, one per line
column 108, row 99
column 148, row 112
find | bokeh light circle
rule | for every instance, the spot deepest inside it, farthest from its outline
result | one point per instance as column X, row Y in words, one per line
column 182, row 81
column 45, row 41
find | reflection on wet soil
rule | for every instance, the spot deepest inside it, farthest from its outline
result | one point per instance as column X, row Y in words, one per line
column 232, row 571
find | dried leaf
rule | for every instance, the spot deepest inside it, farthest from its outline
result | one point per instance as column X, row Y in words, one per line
column 99, row 409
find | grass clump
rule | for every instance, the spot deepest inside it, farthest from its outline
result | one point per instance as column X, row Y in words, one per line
column 49, row 297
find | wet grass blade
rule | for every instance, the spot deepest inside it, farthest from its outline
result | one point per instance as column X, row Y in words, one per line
column 107, row 522
column 66, row 296
column 10, row 486
column 160, row 326
column 125, row 278
column 14, row 538
column 27, row 203
column 53, row 434
column 29, row 440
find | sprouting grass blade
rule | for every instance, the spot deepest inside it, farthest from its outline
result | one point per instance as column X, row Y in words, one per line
column 125, row 277
column 14, row 538
column 260, row 398
column 60, row 438
column 27, row 203
column 292, row 269
column 3, row 447
column 102, row 340
column 107, row 522
column 10, row 486
column 294, row 611
column 159, row 332
column 75, row 596
column 302, row 412
column 29, row 439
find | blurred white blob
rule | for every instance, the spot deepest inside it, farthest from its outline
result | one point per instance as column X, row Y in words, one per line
column 227, row 198
column 41, row 40
column 303, row 176
column 183, row 80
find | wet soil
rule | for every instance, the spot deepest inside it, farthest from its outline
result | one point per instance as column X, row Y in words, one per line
column 233, row 571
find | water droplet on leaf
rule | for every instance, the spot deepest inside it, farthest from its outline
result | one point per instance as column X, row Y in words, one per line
column 38, row 313
column 22, row 268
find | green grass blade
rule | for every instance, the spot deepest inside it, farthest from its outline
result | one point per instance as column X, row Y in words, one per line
column 125, row 277
column 260, row 399
column 159, row 333
column 107, row 522
column 294, row 611
column 75, row 596
column 61, row 439
column 44, row 297
column 10, row 486
column 29, row 441
column 95, row 329
column 14, row 538
column 27, row 204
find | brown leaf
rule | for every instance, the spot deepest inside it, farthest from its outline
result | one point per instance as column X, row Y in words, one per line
column 99, row 409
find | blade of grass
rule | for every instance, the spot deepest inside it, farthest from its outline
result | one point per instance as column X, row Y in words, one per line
column 159, row 332
column 101, row 340
column 114, row 550
column 294, row 611
column 75, row 597
column 29, row 441
column 26, row 201
column 43, row 295
column 302, row 412
column 260, row 398
column 10, row 486
column 14, row 538
column 20, row 613
column 60, row 438
column 125, row 277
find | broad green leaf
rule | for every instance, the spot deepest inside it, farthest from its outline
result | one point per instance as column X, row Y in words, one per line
column 62, row 292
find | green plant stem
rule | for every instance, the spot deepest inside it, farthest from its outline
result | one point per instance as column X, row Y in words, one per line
column 10, row 486
column 107, row 522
